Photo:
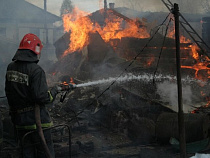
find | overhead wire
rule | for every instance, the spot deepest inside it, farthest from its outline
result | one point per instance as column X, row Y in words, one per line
column 161, row 50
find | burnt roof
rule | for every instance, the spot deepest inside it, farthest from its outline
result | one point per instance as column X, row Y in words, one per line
column 22, row 11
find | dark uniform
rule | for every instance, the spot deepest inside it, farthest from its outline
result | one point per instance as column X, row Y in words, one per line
column 26, row 86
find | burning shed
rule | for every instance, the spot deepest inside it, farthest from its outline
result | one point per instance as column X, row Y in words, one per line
column 140, row 96
column 110, row 42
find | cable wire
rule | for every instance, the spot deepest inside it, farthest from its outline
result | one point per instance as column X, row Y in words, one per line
column 161, row 50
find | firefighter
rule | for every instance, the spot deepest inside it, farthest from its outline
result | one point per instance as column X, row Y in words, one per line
column 26, row 86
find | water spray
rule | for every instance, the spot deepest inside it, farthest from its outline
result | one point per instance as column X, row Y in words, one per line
column 130, row 77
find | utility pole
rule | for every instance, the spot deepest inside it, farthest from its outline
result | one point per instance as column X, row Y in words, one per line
column 45, row 24
column 105, row 9
column 105, row 4
column 105, row 12
column 182, row 142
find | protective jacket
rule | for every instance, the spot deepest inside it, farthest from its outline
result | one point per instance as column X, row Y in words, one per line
column 26, row 86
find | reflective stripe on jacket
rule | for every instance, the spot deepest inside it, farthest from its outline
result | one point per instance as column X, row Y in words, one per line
column 31, row 127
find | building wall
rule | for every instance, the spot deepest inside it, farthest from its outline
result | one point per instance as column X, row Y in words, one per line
column 15, row 32
column 39, row 30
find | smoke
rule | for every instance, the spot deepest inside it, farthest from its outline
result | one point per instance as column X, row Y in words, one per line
column 168, row 93
column 186, row 6
column 141, row 5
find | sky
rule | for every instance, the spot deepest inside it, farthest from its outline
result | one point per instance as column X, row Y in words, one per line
column 89, row 6
column 53, row 6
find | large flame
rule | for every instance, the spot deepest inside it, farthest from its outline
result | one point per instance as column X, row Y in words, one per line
column 80, row 26
column 114, row 30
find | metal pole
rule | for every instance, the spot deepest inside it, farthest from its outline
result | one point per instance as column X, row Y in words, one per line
column 45, row 25
column 182, row 143
column 105, row 9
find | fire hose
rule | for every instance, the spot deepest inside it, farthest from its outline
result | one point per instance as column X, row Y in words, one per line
column 40, row 131
column 67, row 88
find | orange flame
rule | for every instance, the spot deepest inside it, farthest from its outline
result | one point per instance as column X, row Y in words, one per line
column 194, row 49
column 199, row 65
column 171, row 34
column 70, row 81
column 184, row 39
column 64, row 83
column 150, row 61
column 81, row 26
column 113, row 30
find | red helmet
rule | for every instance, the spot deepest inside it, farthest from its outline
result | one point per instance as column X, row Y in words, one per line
column 32, row 42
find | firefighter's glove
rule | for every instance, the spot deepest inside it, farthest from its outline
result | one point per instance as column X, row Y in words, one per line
column 72, row 86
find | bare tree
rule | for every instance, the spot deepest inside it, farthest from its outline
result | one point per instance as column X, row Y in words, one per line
column 206, row 5
column 66, row 7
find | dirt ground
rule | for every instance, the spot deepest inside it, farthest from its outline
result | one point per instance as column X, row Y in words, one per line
column 96, row 142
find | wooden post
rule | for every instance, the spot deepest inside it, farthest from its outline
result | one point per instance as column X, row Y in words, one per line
column 179, row 86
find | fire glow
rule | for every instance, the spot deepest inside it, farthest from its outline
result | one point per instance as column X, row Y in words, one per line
column 171, row 34
column 199, row 65
column 80, row 26
column 195, row 55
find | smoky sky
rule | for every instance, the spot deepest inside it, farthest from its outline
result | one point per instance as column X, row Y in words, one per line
column 186, row 6
column 141, row 5
column 53, row 6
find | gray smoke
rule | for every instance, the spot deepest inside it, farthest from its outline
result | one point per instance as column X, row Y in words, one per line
column 141, row 5
column 168, row 93
column 186, row 6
